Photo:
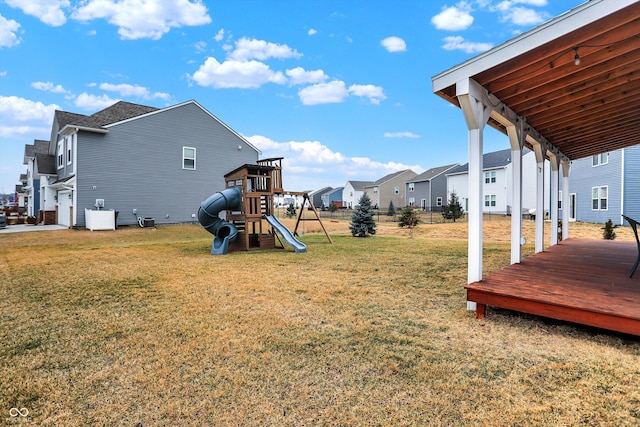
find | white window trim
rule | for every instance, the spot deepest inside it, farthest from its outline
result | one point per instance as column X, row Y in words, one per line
column 411, row 186
column 599, row 160
column 438, row 201
column 60, row 154
column 600, row 198
column 491, row 200
column 185, row 158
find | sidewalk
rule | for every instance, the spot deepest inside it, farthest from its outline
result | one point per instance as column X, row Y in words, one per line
column 23, row 228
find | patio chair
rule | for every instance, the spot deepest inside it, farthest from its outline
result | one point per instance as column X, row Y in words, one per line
column 634, row 225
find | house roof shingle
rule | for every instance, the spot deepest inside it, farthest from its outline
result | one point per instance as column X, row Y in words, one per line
column 117, row 112
column 432, row 173
column 46, row 164
column 493, row 160
column 360, row 185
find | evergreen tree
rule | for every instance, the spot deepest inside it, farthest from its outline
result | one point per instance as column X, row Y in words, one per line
column 608, row 233
column 392, row 209
column 454, row 209
column 291, row 211
column 362, row 223
column 410, row 218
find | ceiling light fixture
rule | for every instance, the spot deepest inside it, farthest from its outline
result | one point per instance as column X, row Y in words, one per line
column 576, row 58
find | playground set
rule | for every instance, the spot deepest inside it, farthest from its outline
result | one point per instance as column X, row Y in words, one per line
column 250, row 223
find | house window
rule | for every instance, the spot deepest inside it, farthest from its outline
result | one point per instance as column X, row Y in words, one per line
column 60, row 154
column 69, row 152
column 560, row 200
column 490, row 177
column 600, row 159
column 411, row 186
column 490, row 200
column 188, row 158
column 412, row 201
column 599, row 198
column 396, row 190
column 375, row 190
column 438, row 201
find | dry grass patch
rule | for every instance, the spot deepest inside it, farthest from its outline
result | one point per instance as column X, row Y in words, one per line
column 144, row 326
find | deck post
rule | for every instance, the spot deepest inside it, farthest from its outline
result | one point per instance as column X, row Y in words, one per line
column 516, row 139
column 539, row 149
column 553, row 208
column 566, row 167
column 476, row 113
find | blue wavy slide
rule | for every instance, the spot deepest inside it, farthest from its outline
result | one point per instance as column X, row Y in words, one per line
column 287, row 235
column 224, row 232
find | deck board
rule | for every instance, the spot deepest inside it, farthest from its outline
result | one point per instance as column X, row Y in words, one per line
column 579, row 280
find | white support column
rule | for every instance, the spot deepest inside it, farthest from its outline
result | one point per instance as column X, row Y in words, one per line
column 516, row 139
column 565, row 199
column 539, row 151
column 476, row 113
column 553, row 208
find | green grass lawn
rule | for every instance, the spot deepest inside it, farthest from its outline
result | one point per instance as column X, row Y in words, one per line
column 145, row 327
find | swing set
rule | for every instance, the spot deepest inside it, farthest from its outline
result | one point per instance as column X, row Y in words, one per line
column 306, row 199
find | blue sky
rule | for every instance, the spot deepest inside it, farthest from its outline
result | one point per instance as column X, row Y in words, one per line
column 341, row 89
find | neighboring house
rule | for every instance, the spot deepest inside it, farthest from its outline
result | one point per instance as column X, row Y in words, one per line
column 352, row 192
column 334, row 196
column 605, row 186
column 316, row 196
column 140, row 161
column 429, row 189
column 390, row 188
column 497, row 184
column 31, row 187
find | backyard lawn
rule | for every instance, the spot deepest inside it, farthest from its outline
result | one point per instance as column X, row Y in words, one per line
column 143, row 327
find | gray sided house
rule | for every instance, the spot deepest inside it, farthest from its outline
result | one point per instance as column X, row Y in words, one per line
column 390, row 188
column 142, row 161
column 31, row 186
column 333, row 196
column 317, row 196
column 606, row 186
column 428, row 190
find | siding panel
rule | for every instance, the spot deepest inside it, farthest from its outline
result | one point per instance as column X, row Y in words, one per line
column 138, row 165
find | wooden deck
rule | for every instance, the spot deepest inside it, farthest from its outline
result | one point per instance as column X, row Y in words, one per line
column 581, row 281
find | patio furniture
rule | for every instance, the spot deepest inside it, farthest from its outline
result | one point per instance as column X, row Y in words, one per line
column 634, row 225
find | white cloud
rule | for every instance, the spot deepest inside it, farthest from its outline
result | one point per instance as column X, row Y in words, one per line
column 19, row 116
column 374, row 93
column 299, row 76
column 8, row 32
column 93, row 102
column 394, row 44
column 459, row 43
column 47, row 11
column 219, row 35
column 236, row 74
column 49, row 87
column 133, row 90
column 324, row 93
column 454, row 18
column 310, row 165
column 246, row 49
column 138, row 19
column 523, row 17
column 200, row 46
column 401, row 135
column 312, row 32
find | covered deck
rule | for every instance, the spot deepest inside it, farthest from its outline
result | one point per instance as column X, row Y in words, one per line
column 578, row 280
